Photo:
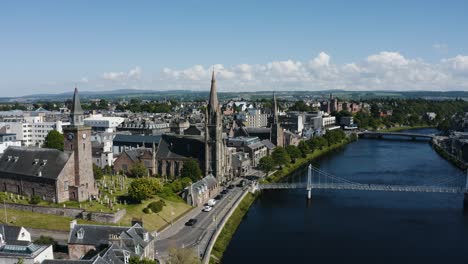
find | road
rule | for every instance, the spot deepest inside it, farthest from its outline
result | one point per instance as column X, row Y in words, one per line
column 197, row 236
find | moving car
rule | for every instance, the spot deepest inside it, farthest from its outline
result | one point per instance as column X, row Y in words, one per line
column 191, row 222
column 207, row 208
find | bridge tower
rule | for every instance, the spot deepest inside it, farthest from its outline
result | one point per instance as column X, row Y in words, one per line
column 309, row 183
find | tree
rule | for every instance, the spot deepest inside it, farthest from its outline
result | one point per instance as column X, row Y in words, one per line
column 138, row 170
column 280, row 156
column 266, row 164
column 54, row 140
column 183, row 256
column 191, row 170
column 97, row 172
column 137, row 260
column 293, row 152
column 143, row 188
column 45, row 240
column 304, row 148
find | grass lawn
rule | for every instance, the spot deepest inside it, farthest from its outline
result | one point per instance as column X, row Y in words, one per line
column 36, row 220
column 114, row 188
column 155, row 221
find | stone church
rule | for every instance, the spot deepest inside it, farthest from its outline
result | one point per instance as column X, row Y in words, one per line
column 52, row 174
column 208, row 146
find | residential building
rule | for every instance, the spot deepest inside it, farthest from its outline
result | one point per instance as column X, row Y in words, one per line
column 100, row 123
column 8, row 139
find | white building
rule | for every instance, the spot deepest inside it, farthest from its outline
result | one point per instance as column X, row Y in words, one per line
column 328, row 121
column 15, row 244
column 103, row 123
column 32, row 133
column 7, row 140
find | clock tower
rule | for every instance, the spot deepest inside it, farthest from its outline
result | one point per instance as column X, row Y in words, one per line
column 77, row 139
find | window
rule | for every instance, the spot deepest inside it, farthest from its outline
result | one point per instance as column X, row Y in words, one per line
column 65, row 185
column 80, row 233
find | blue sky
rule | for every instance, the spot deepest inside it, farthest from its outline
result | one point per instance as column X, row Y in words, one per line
column 48, row 46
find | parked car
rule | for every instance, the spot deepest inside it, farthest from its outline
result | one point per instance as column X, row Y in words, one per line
column 207, row 208
column 230, row 186
column 218, row 197
column 191, row 222
column 211, row 202
column 224, row 191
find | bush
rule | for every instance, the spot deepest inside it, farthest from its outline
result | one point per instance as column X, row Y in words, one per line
column 147, row 210
column 35, row 199
column 157, row 207
column 143, row 188
column 45, row 240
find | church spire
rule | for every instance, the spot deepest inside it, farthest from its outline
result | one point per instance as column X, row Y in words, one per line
column 275, row 109
column 76, row 110
column 213, row 94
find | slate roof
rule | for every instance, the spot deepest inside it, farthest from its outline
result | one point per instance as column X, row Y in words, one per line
column 100, row 235
column 147, row 140
column 10, row 233
column 135, row 154
column 19, row 161
column 180, row 147
column 268, row 144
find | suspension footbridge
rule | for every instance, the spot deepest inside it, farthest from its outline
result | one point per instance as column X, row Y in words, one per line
column 320, row 180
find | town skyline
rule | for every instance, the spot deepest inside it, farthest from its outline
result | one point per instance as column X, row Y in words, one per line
column 52, row 46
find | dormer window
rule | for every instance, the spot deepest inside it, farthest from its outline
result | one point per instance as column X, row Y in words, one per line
column 44, row 162
column 8, row 158
column 80, row 233
column 36, row 161
column 126, row 256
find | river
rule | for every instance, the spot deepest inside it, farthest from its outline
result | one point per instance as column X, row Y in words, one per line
column 360, row 226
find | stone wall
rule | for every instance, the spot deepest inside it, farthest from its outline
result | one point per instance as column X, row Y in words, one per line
column 70, row 212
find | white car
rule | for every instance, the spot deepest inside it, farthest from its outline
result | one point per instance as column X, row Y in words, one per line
column 207, row 208
column 211, row 202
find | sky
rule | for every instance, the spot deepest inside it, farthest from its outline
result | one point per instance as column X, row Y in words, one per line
column 51, row 46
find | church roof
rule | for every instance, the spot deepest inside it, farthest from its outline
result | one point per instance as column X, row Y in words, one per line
column 180, row 147
column 36, row 162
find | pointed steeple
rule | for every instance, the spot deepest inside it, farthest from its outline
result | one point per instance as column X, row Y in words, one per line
column 275, row 109
column 76, row 114
column 213, row 94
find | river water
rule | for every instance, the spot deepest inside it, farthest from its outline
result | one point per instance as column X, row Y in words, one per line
column 360, row 226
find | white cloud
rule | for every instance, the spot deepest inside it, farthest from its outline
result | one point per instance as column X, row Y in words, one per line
column 382, row 71
column 442, row 47
column 134, row 74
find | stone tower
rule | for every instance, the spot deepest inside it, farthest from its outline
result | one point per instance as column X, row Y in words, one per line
column 77, row 139
column 214, row 150
column 276, row 131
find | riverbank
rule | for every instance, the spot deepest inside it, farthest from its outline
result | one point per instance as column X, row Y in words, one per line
column 400, row 128
column 447, row 156
column 290, row 168
column 230, row 228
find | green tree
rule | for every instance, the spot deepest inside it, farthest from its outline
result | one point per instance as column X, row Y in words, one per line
column 97, row 172
column 144, row 188
column 45, row 240
column 293, row 152
column 191, row 170
column 54, row 140
column 183, row 256
column 280, row 156
column 137, row 260
column 266, row 164
column 304, row 148
column 138, row 170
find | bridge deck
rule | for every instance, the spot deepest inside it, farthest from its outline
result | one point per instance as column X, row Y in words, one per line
column 362, row 187
column 377, row 133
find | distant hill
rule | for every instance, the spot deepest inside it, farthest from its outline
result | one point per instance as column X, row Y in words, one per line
column 201, row 95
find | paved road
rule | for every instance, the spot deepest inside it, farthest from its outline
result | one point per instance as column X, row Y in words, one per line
column 197, row 236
